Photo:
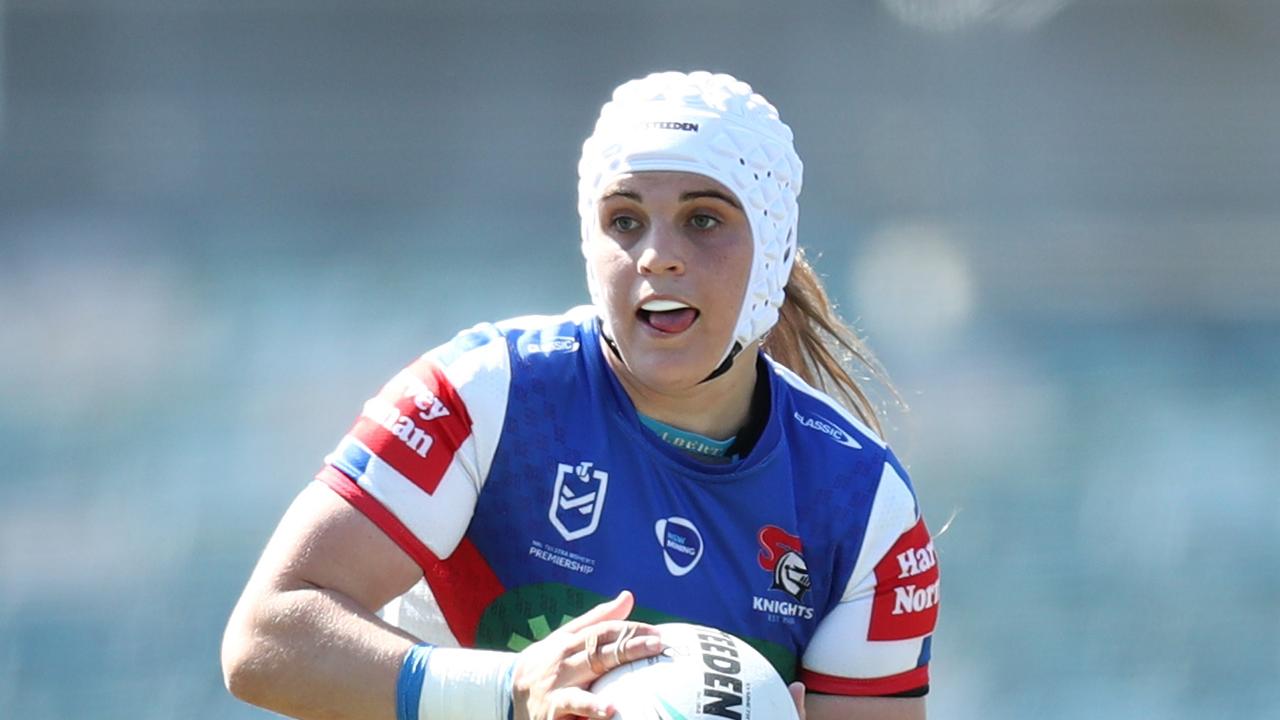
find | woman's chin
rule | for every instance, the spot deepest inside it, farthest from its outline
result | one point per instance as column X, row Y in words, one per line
column 667, row 372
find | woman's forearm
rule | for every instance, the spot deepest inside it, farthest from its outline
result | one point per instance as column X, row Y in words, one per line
column 312, row 653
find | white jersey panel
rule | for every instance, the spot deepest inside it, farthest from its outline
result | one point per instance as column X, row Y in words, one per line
column 482, row 377
column 840, row 647
column 893, row 512
column 418, row 613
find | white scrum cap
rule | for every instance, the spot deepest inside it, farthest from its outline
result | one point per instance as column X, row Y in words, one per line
column 713, row 125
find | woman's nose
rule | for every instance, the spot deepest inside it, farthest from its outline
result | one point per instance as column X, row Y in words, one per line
column 660, row 252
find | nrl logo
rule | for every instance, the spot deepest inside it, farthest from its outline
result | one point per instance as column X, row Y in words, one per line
column 577, row 500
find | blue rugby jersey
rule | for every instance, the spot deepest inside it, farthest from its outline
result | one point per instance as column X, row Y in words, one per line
column 512, row 466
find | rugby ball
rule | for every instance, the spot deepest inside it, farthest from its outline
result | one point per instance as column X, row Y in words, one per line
column 701, row 674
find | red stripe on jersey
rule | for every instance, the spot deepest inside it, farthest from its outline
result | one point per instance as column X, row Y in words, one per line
column 906, row 597
column 888, row 685
column 463, row 584
column 415, row 424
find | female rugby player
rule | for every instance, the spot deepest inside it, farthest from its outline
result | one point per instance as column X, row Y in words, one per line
column 512, row 513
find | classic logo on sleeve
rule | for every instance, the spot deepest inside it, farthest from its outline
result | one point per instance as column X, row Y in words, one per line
column 417, row 411
column 828, row 428
column 553, row 345
column 906, row 598
column 577, row 499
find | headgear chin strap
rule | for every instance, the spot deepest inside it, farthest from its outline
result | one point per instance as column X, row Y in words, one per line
column 712, row 125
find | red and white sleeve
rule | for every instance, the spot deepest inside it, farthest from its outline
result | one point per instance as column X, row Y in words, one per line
column 877, row 641
column 416, row 458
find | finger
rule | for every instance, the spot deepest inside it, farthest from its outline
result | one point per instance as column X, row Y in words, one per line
column 602, row 653
column 610, row 630
column 634, row 647
column 617, row 638
column 616, row 609
column 620, row 642
column 797, row 695
column 592, row 651
column 569, row 702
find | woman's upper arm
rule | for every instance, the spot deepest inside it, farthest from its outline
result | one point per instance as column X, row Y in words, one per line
column 840, row 707
column 324, row 542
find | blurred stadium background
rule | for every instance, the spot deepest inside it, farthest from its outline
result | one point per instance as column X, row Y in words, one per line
column 223, row 223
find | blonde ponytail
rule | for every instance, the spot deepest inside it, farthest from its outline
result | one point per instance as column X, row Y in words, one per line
column 812, row 341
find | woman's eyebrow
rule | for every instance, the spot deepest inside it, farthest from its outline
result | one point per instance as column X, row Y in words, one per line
column 710, row 194
column 685, row 197
column 628, row 194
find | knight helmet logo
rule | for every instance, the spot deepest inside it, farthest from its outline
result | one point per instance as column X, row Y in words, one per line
column 578, row 499
column 780, row 554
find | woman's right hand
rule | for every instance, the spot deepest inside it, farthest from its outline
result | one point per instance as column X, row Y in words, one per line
column 551, row 676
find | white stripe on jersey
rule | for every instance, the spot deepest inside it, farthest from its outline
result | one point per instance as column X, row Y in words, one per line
column 893, row 512
column 482, row 378
column 418, row 613
column 840, row 646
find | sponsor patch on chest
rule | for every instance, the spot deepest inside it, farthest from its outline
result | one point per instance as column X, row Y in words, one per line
column 681, row 544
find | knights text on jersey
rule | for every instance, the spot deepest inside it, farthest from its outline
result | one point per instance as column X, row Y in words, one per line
column 510, row 464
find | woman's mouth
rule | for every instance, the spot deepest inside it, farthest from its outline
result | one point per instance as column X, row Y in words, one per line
column 667, row 316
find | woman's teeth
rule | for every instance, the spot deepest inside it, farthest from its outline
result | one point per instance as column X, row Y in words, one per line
column 663, row 305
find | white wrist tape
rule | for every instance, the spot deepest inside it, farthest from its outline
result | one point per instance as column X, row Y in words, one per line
column 464, row 684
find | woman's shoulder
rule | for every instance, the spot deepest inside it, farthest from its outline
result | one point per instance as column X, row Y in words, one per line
column 522, row 336
column 831, row 449
column 548, row 334
column 813, row 414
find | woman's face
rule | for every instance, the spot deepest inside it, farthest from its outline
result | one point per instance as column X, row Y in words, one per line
column 671, row 253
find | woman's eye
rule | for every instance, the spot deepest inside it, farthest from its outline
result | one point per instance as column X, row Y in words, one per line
column 704, row 222
column 624, row 223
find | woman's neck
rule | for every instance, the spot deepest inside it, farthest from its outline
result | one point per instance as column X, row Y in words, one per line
column 717, row 408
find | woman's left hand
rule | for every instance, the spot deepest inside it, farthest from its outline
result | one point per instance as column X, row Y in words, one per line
column 552, row 675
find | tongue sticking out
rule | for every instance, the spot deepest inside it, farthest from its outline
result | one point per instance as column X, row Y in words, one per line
column 673, row 321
